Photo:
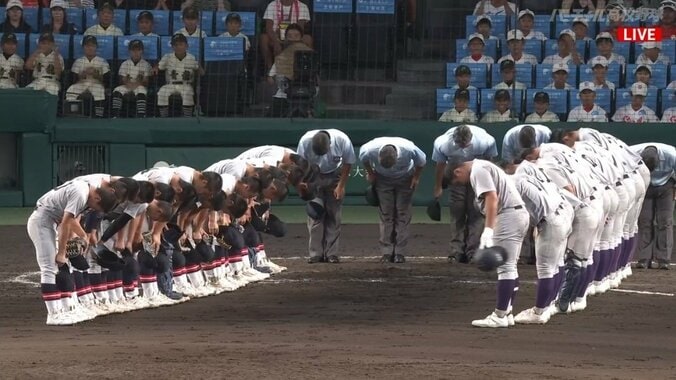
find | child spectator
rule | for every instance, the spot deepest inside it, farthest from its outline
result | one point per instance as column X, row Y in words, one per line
column 669, row 115
column 604, row 47
column 494, row 7
column 515, row 42
column 463, row 77
column 460, row 113
column 145, row 22
column 134, row 74
column 278, row 16
column 59, row 22
column 233, row 24
column 567, row 53
column 668, row 20
column 11, row 65
column 190, row 24
column 643, row 73
column 599, row 65
column 542, row 113
column 508, row 74
column 282, row 70
column 484, row 26
column 46, row 64
column 651, row 54
column 90, row 71
column 580, row 28
column 588, row 110
column 502, row 111
column 105, row 26
column 476, row 46
column 636, row 112
column 14, row 22
column 180, row 68
column 560, row 77
column 526, row 22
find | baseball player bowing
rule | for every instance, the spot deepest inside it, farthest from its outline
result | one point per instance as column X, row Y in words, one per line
column 333, row 152
column 506, row 222
column 394, row 166
column 523, row 136
column 180, row 68
column 55, row 218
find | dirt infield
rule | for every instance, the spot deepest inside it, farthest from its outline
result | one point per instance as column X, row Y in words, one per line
column 359, row 319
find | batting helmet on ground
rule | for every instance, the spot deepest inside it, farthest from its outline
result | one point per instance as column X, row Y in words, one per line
column 487, row 259
column 434, row 210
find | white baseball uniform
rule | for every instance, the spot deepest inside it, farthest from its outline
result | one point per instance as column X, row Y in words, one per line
column 669, row 115
column 135, row 73
column 8, row 69
column 44, row 75
column 596, row 114
column 510, row 143
column 234, row 167
column 662, row 59
column 628, row 114
column 483, row 59
column 495, row 116
column 525, row 58
column 515, row 85
column 535, row 35
column 179, row 74
column 271, row 155
column 89, row 72
column 453, row 116
column 546, row 117
column 98, row 30
column 197, row 33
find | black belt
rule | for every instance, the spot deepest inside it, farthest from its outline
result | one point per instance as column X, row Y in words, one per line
column 607, row 187
column 626, row 176
column 618, row 183
column 46, row 77
column 519, row 207
column 176, row 82
column 594, row 188
column 591, row 198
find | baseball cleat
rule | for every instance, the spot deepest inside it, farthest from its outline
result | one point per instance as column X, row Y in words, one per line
column 531, row 317
column 642, row 264
column 333, row 259
column 579, row 304
column 59, row 319
column 138, row 303
column 275, row 268
column 399, row 259
column 491, row 321
column 552, row 309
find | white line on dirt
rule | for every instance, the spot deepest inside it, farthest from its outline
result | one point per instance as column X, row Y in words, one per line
column 642, row 292
column 24, row 279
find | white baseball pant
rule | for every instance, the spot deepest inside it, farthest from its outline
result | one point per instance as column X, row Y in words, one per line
column 125, row 90
column 46, row 84
column 95, row 88
column 7, row 84
column 552, row 239
column 42, row 232
column 610, row 205
column 626, row 193
column 510, row 229
column 185, row 90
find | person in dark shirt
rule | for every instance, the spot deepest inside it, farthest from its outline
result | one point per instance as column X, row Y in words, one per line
column 59, row 22
column 14, row 22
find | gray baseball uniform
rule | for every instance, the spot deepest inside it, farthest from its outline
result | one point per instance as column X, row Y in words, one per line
column 234, row 167
column 270, row 155
column 510, row 143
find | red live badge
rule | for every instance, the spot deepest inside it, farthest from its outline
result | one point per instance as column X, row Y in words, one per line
column 637, row 34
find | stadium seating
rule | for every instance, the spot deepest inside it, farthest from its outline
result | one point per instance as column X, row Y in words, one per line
column 119, row 18
column 565, row 21
column 445, row 100
column 524, row 74
column 479, row 77
column 659, row 77
column 614, row 74
column 105, row 48
column 486, row 103
column 668, row 99
column 558, row 101
column 30, row 15
column 73, row 15
column 543, row 23
column 331, row 33
column 604, row 98
column 221, row 86
column 623, row 97
column 194, row 46
column 151, row 51
column 161, row 20
column 543, row 75
column 499, row 24
column 624, row 49
column 669, row 49
column 374, row 35
column 63, row 42
column 462, row 50
column 248, row 23
column 552, row 47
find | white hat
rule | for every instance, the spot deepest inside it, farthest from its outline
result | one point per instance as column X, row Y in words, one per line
column 587, row 86
column 515, row 34
column 582, row 20
column 650, row 69
column 567, row 32
column 560, row 66
column 668, row 4
column 598, row 60
column 14, row 3
column 651, row 45
column 58, row 4
column 604, row 35
column 476, row 35
column 526, row 12
column 481, row 18
column 639, row 88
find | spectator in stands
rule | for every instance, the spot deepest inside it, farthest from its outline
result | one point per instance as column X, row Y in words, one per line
column 91, row 72
column 281, row 72
column 560, row 78
column 59, row 21
column 502, row 111
column 146, row 22
column 643, row 73
column 567, row 53
column 604, row 46
column 494, row 7
column 47, row 65
column 484, row 26
column 636, row 111
column 599, row 65
column 615, row 13
column 542, row 113
column 526, row 22
column 652, row 54
column 14, row 22
column 581, row 6
column 278, row 16
column 191, row 20
column 476, row 46
column 105, row 26
column 134, row 74
column 508, row 74
column 581, row 28
column 207, row 5
column 668, row 20
column 463, row 77
column 11, row 65
column 669, row 115
column 515, row 42
column 180, row 68
column 588, row 111
column 460, row 113
column 233, row 26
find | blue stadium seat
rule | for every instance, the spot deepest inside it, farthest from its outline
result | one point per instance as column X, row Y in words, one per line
column 623, row 97
column 105, row 49
column 176, row 21
column 543, row 75
column 558, row 101
column 73, row 15
column 524, row 74
column 604, row 98
column 151, row 51
column 194, row 47
column 63, row 42
column 331, row 33
column 672, row 77
column 445, row 100
column 30, row 15
column 374, row 38
column 531, row 46
column 552, row 47
column 21, row 44
column 499, row 24
column 462, row 51
column 668, row 100
column 565, row 21
column 248, row 23
column 614, row 73
column 160, row 21
column 119, row 18
column 217, row 49
column 207, row 22
column 479, row 77
column 486, row 103
column 622, row 48
column 543, row 23
column 658, row 79
column 669, row 49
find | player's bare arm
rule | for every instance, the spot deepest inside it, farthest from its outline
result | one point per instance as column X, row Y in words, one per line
column 370, row 175
column 438, row 179
column 415, row 180
column 339, row 192
column 66, row 228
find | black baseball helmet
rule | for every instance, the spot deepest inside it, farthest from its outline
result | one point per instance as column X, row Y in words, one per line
column 178, row 37
column 372, row 196
column 434, row 210
column 487, row 259
column 135, row 44
column 9, row 37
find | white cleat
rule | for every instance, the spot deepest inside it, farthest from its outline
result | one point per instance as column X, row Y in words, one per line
column 59, row 319
column 615, row 280
column 227, row 284
column 260, row 276
column 492, row 321
column 592, row 289
column 160, row 300
column 274, row 267
column 626, row 272
column 552, row 310
column 579, row 304
column 531, row 317
column 138, row 303
column 603, row 286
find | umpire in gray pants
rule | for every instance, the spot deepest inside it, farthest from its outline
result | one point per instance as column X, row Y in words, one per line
column 394, row 166
column 461, row 144
column 332, row 151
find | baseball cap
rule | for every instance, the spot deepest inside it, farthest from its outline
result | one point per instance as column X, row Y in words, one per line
column 178, row 37
column 461, row 94
column 567, row 32
column 647, row 67
column 233, row 17
column 651, row 45
column 145, row 15
column 639, row 88
column 501, row 95
column 541, row 97
column 507, row 64
column 135, row 44
column 526, row 12
column 604, row 35
column 476, row 35
column 462, row 69
column 515, row 34
column 668, row 4
column 580, row 20
column 46, row 37
column 14, row 3
column 598, row 60
column 106, row 7
column 482, row 18
column 560, row 66
column 9, row 37
column 58, row 4
column 190, row 13
column 584, row 86
column 89, row 40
